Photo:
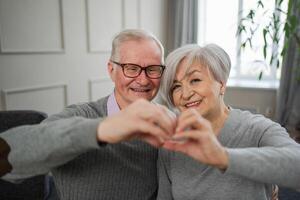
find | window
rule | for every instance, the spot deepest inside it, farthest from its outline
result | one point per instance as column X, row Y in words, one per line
column 218, row 21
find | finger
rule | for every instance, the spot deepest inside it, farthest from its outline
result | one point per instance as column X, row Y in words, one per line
column 183, row 117
column 151, row 140
column 187, row 141
column 192, row 120
column 188, row 122
column 175, row 146
column 168, row 121
column 198, row 137
column 163, row 119
column 145, row 127
column 187, row 135
column 146, row 111
column 179, row 139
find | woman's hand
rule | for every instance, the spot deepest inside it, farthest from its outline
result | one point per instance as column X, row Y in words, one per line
column 195, row 137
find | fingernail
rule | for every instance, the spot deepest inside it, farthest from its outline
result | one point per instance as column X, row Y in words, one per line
column 178, row 138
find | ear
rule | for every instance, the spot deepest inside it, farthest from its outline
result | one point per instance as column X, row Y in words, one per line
column 111, row 71
column 222, row 88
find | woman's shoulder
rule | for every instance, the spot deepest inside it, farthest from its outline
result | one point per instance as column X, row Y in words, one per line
column 247, row 118
column 244, row 128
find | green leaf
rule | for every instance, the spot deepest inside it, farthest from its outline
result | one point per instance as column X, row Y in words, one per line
column 260, row 75
column 280, row 2
column 273, row 17
column 265, row 51
column 286, row 30
column 251, row 14
column 241, row 28
column 280, row 10
column 243, row 45
column 250, row 42
column 265, row 31
column 271, row 60
column 277, row 64
column 260, row 3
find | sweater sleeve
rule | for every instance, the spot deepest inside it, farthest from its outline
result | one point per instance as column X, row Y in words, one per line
column 35, row 149
column 275, row 161
column 164, row 182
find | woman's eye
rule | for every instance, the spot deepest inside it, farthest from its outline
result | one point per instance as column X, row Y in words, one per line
column 195, row 80
column 175, row 87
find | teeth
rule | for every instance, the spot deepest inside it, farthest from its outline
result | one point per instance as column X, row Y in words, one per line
column 140, row 90
column 192, row 104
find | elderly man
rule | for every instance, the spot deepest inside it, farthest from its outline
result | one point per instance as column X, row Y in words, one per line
column 100, row 150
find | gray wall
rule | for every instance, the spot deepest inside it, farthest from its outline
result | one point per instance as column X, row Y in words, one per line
column 256, row 100
column 54, row 52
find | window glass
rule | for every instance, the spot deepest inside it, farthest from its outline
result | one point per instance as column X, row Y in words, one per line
column 218, row 22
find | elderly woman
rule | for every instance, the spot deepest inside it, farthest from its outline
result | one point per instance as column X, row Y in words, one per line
column 226, row 153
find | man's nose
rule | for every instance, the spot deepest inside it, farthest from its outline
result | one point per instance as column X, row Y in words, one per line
column 142, row 78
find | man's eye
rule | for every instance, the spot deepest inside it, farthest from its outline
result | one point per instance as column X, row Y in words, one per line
column 154, row 69
column 132, row 68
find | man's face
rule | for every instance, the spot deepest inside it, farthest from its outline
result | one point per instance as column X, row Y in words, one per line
column 143, row 53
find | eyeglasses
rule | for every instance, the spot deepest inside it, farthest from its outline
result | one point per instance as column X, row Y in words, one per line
column 133, row 70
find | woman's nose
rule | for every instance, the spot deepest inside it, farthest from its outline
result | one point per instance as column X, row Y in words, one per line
column 187, row 92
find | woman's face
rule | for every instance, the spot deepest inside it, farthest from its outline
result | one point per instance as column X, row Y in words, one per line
column 195, row 87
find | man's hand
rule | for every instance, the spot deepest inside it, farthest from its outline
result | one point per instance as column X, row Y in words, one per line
column 194, row 136
column 141, row 119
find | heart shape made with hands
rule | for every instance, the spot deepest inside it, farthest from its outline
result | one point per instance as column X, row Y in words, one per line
column 177, row 139
column 188, row 120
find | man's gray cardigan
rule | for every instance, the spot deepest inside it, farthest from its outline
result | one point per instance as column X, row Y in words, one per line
column 66, row 145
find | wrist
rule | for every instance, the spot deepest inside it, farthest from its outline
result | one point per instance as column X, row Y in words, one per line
column 101, row 139
column 223, row 165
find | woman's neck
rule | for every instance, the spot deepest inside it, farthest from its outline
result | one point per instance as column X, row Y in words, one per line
column 218, row 119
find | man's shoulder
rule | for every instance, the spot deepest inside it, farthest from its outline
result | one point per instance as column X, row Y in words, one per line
column 97, row 108
column 92, row 109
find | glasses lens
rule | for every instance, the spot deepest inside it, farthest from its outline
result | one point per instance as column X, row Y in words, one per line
column 131, row 70
column 154, row 71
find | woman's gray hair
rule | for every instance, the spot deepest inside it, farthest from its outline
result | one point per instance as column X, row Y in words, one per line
column 211, row 56
column 133, row 35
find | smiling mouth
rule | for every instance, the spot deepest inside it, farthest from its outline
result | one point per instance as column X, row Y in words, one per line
column 192, row 104
column 141, row 90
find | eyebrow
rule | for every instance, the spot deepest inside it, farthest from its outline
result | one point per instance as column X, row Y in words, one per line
column 187, row 74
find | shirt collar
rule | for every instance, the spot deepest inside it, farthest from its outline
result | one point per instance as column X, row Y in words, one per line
column 112, row 105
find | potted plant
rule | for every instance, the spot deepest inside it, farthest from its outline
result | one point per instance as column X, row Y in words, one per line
column 275, row 32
